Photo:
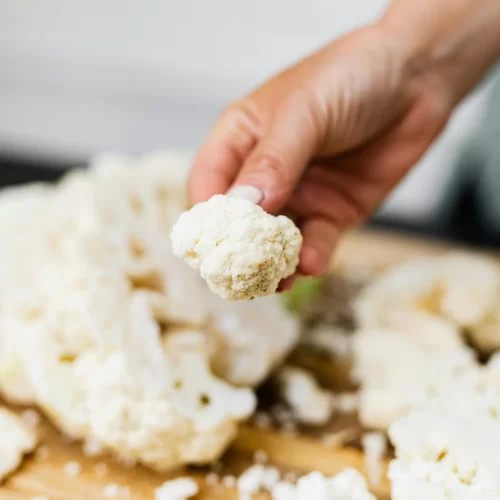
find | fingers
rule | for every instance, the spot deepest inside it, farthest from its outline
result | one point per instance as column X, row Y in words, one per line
column 221, row 156
column 278, row 161
column 320, row 237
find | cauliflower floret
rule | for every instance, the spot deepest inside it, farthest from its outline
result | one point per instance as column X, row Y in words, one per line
column 461, row 289
column 16, row 440
column 445, row 447
column 240, row 250
column 246, row 352
column 140, row 401
column 309, row 402
column 398, row 370
column 347, row 485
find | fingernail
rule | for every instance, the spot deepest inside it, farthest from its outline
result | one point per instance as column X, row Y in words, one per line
column 249, row 193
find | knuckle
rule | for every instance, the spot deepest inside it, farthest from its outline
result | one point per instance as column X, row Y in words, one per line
column 273, row 165
column 243, row 115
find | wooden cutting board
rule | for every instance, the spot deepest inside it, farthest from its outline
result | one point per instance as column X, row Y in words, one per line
column 45, row 476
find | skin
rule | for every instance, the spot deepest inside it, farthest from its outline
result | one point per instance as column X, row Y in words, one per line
column 327, row 139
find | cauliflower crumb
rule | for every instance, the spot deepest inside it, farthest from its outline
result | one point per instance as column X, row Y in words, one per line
column 111, row 490
column 177, row 489
column 212, row 478
column 347, row 485
column 229, row 482
column 17, row 439
column 72, row 469
column 42, row 453
column 92, row 448
column 310, row 403
column 31, row 418
column 262, row 420
column 101, row 469
column 347, row 402
column 260, row 457
column 374, row 447
column 240, row 250
column 257, row 478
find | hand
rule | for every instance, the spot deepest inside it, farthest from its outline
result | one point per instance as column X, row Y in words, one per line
column 326, row 140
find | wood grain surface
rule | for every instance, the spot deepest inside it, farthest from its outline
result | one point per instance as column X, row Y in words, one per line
column 45, row 476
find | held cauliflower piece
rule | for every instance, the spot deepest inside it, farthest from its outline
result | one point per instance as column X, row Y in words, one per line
column 347, row 485
column 240, row 250
column 447, row 447
column 16, row 440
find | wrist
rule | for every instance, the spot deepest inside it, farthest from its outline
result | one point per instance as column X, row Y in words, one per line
column 452, row 43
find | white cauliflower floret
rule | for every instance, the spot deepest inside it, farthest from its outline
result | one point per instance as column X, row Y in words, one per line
column 446, row 446
column 347, row 485
column 246, row 352
column 16, row 440
column 397, row 371
column 139, row 401
column 255, row 479
column 309, row 402
column 240, row 250
column 461, row 289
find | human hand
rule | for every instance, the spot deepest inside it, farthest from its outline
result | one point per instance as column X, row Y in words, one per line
column 326, row 140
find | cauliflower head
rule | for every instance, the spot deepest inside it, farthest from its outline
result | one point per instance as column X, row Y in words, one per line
column 104, row 331
column 142, row 401
column 240, row 250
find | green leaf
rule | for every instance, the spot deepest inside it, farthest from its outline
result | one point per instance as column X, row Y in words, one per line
column 305, row 290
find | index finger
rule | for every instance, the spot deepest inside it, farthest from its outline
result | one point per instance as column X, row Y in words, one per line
column 221, row 156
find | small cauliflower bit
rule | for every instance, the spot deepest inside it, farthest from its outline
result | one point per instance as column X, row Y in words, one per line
column 347, row 485
column 240, row 250
column 446, row 447
column 257, row 478
column 72, row 468
column 374, row 447
column 397, row 371
column 16, row 440
column 177, row 489
column 309, row 402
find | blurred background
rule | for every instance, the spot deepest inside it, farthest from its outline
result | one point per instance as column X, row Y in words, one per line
column 77, row 78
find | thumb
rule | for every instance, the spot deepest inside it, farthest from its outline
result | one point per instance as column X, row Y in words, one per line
column 278, row 161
